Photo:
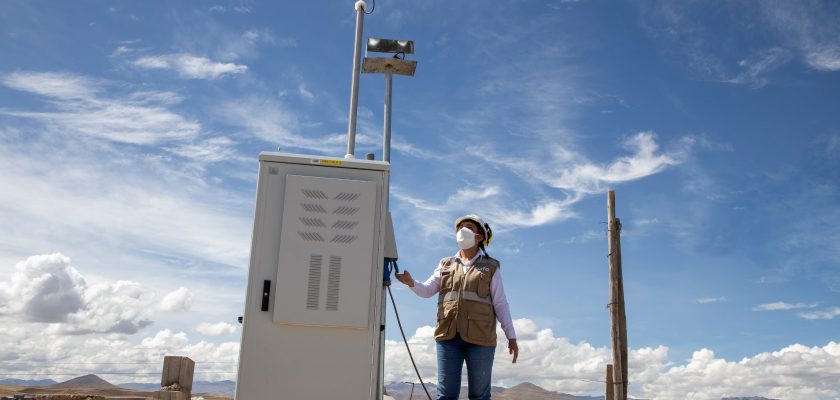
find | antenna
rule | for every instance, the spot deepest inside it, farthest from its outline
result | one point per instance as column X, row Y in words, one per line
column 354, row 85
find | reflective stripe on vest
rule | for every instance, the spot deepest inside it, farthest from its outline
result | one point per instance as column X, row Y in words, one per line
column 473, row 296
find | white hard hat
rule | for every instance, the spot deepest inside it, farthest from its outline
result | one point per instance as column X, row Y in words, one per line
column 486, row 231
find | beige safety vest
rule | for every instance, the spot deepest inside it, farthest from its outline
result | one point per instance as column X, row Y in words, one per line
column 464, row 304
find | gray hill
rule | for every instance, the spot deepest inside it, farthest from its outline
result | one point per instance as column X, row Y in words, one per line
column 87, row 381
column 746, row 398
column 27, row 382
column 146, row 387
column 219, row 388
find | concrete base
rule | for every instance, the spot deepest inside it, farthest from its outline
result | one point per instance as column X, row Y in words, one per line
column 168, row 395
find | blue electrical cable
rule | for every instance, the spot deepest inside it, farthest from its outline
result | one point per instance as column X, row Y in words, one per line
column 392, row 262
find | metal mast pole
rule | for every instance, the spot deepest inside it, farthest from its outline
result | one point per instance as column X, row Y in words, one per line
column 354, row 86
column 386, row 156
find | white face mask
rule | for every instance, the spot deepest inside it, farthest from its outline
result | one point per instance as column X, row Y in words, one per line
column 465, row 238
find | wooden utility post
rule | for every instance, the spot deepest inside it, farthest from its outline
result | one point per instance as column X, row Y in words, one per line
column 610, row 388
column 618, row 323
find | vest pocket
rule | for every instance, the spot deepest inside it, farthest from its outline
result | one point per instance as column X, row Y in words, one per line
column 446, row 279
column 481, row 327
column 445, row 310
column 445, row 315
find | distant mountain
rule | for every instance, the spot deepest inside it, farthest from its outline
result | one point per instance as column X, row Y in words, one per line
column 220, row 388
column 87, row 381
column 530, row 391
column 523, row 391
column 27, row 382
column 746, row 398
column 145, row 387
column 401, row 391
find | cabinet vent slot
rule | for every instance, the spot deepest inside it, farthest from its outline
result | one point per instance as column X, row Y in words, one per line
column 313, row 208
column 344, row 210
column 333, row 283
column 342, row 224
column 313, row 289
column 311, row 236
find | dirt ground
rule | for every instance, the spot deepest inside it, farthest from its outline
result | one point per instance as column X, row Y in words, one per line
column 107, row 393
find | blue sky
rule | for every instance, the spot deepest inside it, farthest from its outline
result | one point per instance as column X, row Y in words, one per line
column 128, row 162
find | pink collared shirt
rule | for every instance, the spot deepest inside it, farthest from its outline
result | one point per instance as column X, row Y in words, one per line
column 497, row 293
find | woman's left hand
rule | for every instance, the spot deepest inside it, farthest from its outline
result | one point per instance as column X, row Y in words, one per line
column 513, row 348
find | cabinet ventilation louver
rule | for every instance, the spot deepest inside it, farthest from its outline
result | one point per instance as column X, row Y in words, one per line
column 333, row 283
column 314, row 222
column 346, row 239
column 344, row 210
column 341, row 224
column 314, row 208
column 347, row 196
column 314, row 194
column 313, row 288
column 311, row 236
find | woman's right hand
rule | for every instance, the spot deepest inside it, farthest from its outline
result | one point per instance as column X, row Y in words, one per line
column 405, row 278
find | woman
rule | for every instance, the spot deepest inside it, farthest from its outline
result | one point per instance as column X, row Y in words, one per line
column 470, row 299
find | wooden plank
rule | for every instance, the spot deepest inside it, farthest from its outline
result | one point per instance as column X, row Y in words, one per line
column 609, row 390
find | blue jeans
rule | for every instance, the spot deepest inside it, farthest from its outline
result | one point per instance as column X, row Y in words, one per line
column 451, row 355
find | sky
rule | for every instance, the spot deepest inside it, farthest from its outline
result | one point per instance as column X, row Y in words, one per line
column 129, row 137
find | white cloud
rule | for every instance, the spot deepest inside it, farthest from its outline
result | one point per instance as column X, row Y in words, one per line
column 781, row 306
column 708, row 300
column 555, row 363
column 275, row 122
column 305, row 93
column 754, row 68
column 217, row 329
column 542, row 213
column 210, row 150
column 116, row 358
column 687, row 29
column 809, row 28
column 588, row 236
column 82, row 107
column 178, row 300
column 824, row 58
column 644, row 222
column 794, row 372
column 830, row 313
column 565, row 169
column 63, row 86
column 555, row 166
column 413, row 150
column 48, row 289
column 121, row 307
column 116, row 201
column 166, row 339
column 43, row 289
column 190, row 66
column 643, row 162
